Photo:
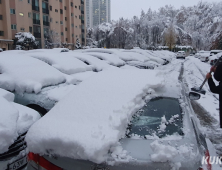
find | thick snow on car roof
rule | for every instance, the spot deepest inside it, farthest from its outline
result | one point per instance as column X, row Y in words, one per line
column 97, row 64
column 94, row 116
column 15, row 119
column 64, row 62
column 21, row 73
column 110, row 58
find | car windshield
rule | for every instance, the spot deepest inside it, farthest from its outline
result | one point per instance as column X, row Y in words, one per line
column 160, row 116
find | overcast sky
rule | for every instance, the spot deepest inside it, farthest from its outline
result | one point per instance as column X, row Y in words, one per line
column 129, row 8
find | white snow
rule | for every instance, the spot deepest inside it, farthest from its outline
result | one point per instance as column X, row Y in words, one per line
column 96, row 63
column 110, row 58
column 15, row 119
column 7, row 95
column 94, row 116
column 64, row 62
column 25, row 74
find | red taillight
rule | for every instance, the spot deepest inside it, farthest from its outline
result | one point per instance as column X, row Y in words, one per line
column 40, row 161
column 207, row 155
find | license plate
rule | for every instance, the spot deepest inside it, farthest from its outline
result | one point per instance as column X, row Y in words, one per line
column 18, row 164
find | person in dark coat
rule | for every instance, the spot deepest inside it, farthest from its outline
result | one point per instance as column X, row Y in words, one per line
column 216, row 89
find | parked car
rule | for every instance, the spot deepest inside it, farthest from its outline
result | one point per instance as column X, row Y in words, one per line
column 204, row 56
column 159, row 129
column 15, row 121
column 1, row 50
column 181, row 54
column 214, row 52
column 34, row 83
column 213, row 59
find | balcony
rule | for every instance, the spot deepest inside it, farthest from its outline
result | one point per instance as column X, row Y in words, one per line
column 82, row 2
column 37, row 35
column 45, row 11
column 83, row 40
column 35, row 21
column 82, row 21
column 35, row 8
column 83, row 30
column 46, row 23
column 82, row 12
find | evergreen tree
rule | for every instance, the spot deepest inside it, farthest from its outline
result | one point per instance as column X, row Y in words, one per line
column 26, row 40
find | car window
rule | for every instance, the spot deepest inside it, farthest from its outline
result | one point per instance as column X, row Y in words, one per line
column 154, row 116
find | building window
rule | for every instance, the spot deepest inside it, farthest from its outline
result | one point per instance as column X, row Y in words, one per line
column 56, row 22
column 65, row 7
column 61, row 22
column 71, row 14
column 50, row 8
column 56, row 10
column 66, row 29
column 12, row 11
column 66, row 39
column 79, row 16
column 13, row 27
column 72, row 25
column 29, row 14
column 75, row 6
column 76, row 16
column 30, row 29
column 1, row 33
column 50, row 19
column 1, row 18
column 61, row 33
column 76, row 26
column 29, row 1
column 65, row 18
column 0, row 1
column 22, row 29
column 61, row 11
column 21, row 14
column 60, row 0
column 72, row 35
column 79, row 7
column 72, row 4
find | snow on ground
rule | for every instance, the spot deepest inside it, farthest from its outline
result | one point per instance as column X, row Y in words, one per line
column 111, row 59
column 100, row 108
column 64, row 62
column 25, row 74
column 15, row 119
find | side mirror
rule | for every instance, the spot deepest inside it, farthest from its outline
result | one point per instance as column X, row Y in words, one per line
column 194, row 96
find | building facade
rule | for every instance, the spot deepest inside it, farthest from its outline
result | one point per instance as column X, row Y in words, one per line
column 97, row 12
column 61, row 21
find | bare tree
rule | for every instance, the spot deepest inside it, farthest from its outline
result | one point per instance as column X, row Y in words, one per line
column 170, row 37
column 52, row 39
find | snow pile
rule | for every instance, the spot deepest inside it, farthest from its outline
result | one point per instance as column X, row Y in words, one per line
column 168, row 153
column 97, row 110
column 64, row 62
column 15, row 119
column 25, row 74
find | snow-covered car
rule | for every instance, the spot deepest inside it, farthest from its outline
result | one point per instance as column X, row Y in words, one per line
column 1, row 50
column 34, row 83
column 214, row 52
column 204, row 56
column 181, row 54
column 143, row 65
column 213, row 58
column 119, row 119
column 14, row 123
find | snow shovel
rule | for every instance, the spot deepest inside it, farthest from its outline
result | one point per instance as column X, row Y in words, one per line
column 199, row 89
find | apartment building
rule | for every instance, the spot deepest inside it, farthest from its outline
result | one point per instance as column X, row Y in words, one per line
column 63, row 19
column 97, row 12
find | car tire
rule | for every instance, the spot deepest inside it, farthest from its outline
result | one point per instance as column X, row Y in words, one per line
column 38, row 108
